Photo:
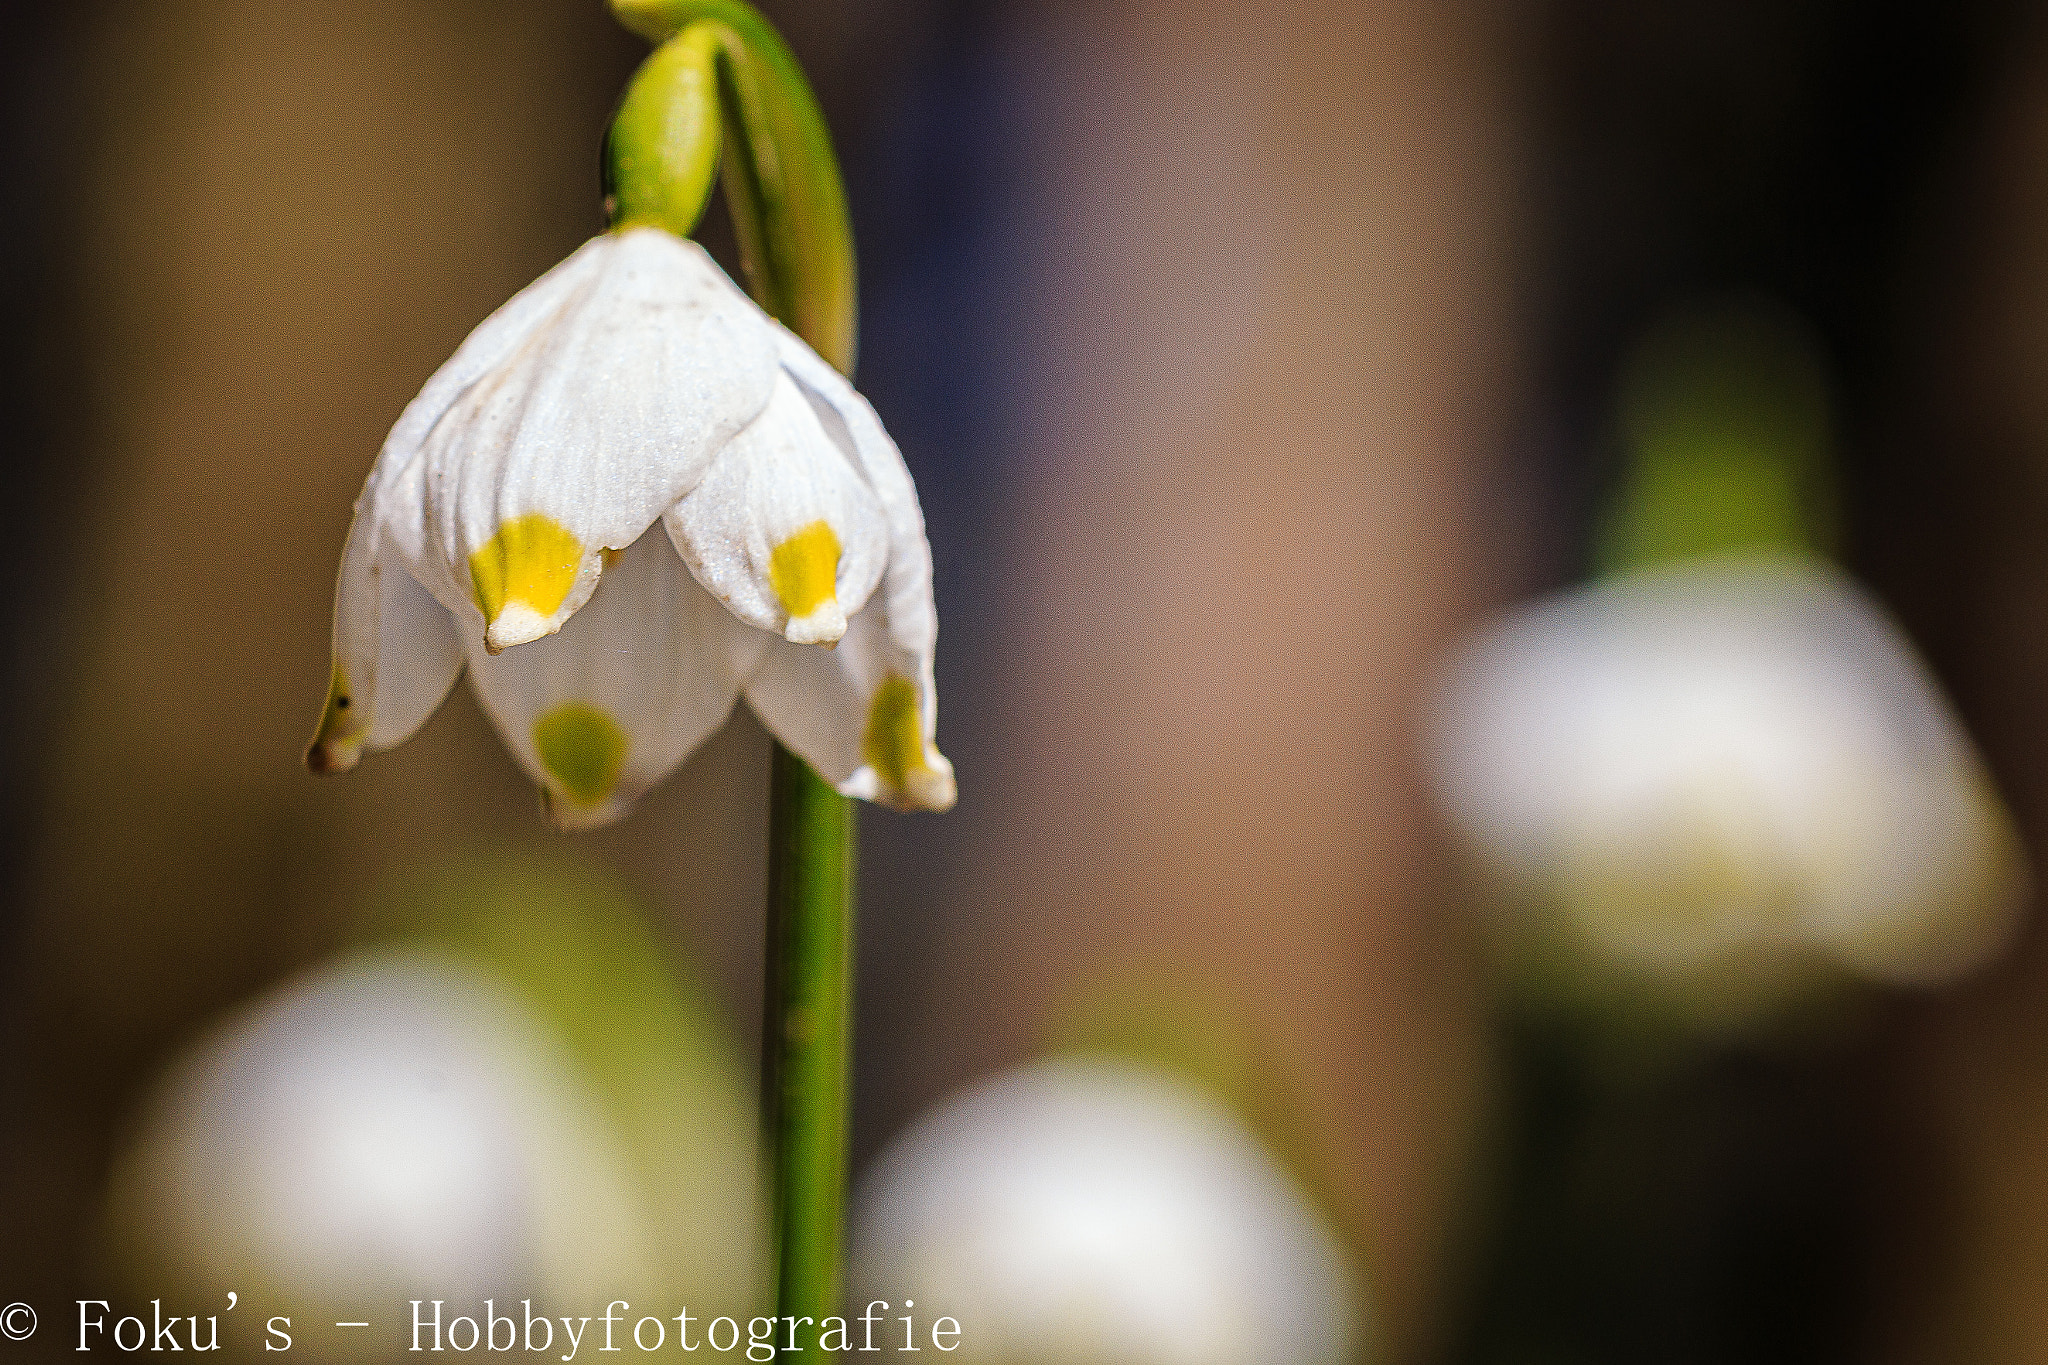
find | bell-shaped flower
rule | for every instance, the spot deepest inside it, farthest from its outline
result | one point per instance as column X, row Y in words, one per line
column 1712, row 772
column 1089, row 1211
column 414, row 1115
column 629, row 498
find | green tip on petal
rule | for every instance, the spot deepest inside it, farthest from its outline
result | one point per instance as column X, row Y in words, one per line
column 338, row 743
column 521, row 577
column 804, row 571
column 584, row 751
column 913, row 773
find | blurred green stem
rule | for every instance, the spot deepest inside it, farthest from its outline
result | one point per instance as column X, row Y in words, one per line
column 1690, row 1203
column 722, row 75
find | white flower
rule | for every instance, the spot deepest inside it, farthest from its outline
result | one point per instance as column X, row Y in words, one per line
column 510, row 521
column 1732, row 760
column 404, row 1124
column 1074, row 1212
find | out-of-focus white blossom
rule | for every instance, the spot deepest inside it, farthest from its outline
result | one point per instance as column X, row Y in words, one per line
column 1082, row 1211
column 403, row 1126
column 1728, row 760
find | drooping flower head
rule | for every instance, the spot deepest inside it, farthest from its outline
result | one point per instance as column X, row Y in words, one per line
column 1719, row 780
column 1708, row 772
column 1086, row 1210
column 629, row 498
column 435, row 1108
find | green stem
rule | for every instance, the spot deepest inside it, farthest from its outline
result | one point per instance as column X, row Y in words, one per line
column 789, row 210
column 807, row 1028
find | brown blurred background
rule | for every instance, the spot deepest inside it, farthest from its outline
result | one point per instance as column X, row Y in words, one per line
column 1241, row 358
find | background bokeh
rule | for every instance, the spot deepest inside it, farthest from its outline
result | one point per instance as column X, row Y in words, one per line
column 1244, row 361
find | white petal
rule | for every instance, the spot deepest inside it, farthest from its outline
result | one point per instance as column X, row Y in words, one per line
column 495, row 339
column 862, row 714
column 844, row 711
column 395, row 651
column 608, row 412
column 1084, row 1210
column 1731, row 755
column 488, row 345
column 851, row 421
column 601, row 711
column 380, row 609
column 783, row 530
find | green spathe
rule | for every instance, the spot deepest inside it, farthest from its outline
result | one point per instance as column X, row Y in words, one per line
column 781, row 180
column 1723, row 416
column 661, row 155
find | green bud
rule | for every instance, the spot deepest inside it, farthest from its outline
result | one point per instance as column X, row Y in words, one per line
column 781, row 179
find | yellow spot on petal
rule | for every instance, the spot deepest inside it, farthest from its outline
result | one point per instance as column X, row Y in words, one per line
column 339, row 740
column 583, row 749
column 530, row 561
column 804, row 569
column 894, row 746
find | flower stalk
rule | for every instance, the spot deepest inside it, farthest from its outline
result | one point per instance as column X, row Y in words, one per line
column 806, row 1036
column 723, row 77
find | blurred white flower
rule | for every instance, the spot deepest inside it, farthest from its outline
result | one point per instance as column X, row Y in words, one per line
column 1073, row 1212
column 1730, row 758
column 400, row 1127
column 633, row 383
